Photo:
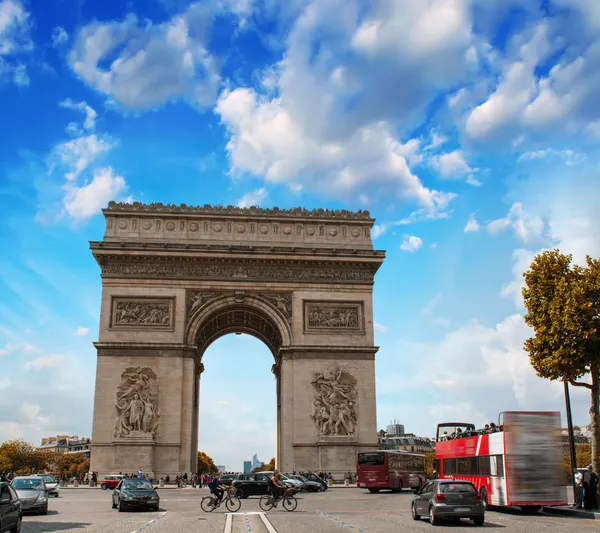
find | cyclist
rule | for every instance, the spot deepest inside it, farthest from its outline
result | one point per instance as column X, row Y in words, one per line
column 216, row 488
column 275, row 485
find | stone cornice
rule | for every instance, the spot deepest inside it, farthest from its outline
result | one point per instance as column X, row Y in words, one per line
column 230, row 210
column 116, row 266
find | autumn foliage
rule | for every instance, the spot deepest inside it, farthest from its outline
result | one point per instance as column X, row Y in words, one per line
column 563, row 308
column 269, row 467
column 21, row 458
column 205, row 464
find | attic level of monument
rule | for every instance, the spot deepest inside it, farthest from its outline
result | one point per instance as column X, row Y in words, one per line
column 320, row 228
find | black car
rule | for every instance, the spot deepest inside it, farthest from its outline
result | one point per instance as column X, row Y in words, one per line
column 226, row 479
column 10, row 509
column 255, row 484
column 135, row 494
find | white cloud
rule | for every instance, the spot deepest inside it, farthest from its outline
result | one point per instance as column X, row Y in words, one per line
column 87, row 200
column 154, row 63
column 6, row 349
column 436, row 140
column 472, row 225
column 451, row 164
column 256, row 197
column 378, row 230
column 527, row 227
column 81, row 331
column 380, row 328
column 14, row 28
column 50, row 361
column 411, row 243
column 522, row 259
column 79, row 153
column 20, row 76
column 432, row 305
column 31, row 349
column 89, row 122
column 568, row 157
column 5, row 383
column 59, row 36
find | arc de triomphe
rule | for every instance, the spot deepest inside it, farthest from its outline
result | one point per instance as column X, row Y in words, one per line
column 175, row 278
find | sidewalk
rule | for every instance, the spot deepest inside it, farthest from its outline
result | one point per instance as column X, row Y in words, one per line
column 571, row 511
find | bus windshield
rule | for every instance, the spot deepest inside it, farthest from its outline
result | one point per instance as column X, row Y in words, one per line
column 371, row 458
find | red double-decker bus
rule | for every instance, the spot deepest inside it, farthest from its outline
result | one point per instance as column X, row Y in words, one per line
column 390, row 469
column 517, row 463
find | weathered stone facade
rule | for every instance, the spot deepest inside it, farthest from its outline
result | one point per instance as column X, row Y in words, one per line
column 176, row 278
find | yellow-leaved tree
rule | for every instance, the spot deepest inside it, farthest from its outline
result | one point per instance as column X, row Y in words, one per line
column 205, row 464
column 21, row 458
column 563, row 308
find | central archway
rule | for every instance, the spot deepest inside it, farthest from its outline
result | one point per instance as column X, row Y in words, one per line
column 176, row 278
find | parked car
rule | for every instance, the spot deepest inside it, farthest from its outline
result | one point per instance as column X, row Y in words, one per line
column 51, row 484
column 308, row 485
column 111, row 481
column 447, row 499
column 287, row 481
column 135, row 493
column 32, row 492
column 10, row 509
column 226, row 479
column 314, row 477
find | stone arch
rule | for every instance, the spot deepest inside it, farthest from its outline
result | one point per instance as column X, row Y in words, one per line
column 230, row 313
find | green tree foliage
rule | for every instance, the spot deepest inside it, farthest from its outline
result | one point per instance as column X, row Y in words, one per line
column 21, row 458
column 269, row 467
column 205, row 464
column 563, row 308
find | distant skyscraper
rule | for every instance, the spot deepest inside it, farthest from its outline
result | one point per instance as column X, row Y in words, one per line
column 247, row 467
column 221, row 468
column 255, row 462
column 395, row 429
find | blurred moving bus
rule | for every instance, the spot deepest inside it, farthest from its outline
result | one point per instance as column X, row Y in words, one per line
column 390, row 469
column 517, row 463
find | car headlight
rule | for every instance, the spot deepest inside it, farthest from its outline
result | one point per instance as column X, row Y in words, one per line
column 42, row 499
column 125, row 496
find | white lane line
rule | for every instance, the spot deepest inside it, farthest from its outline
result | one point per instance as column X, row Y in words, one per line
column 267, row 524
column 228, row 523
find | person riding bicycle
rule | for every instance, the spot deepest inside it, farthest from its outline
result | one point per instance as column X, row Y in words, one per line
column 216, row 488
column 275, row 485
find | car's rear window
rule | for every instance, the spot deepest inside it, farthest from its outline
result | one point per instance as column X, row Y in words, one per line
column 457, row 487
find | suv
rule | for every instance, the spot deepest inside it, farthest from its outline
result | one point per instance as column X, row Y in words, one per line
column 111, row 481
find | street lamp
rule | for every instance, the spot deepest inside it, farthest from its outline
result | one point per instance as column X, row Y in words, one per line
column 571, row 441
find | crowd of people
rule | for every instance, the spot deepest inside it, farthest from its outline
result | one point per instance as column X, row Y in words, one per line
column 460, row 434
column 587, row 489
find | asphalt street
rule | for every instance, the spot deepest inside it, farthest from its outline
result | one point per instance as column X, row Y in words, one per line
column 338, row 510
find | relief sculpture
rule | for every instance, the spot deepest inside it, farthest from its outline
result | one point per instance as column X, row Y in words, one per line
column 281, row 300
column 142, row 313
column 137, row 403
column 329, row 316
column 334, row 406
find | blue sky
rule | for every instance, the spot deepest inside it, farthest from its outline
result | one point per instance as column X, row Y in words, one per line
column 469, row 129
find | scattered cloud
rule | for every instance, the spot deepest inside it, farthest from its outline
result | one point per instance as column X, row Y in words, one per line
column 81, row 331
column 251, row 198
column 59, row 36
column 527, row 227
column 472, row 225
column 79, row 153
column 435, row 140
column 50, row 361
column 90, row 114
column 141, row 65
column 5, row 383
column 568, row 157
column 432, row 305
column 380, row 328
column 87, row 200
column 378, row 230
column 30, row 349
column 411, row 243
column 451, row 165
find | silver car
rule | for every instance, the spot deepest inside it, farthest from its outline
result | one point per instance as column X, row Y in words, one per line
column 51, row 484
column 32, row 493
column 446, row 499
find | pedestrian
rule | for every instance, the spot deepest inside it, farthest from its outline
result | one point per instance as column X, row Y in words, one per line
column 434, row 475
column 140, row 474
column 590, row 488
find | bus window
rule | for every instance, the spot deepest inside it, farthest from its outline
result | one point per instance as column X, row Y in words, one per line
column 449, row 467
column 483, row 465
column 436, row 465
column 467, row 466
column 497, row 465
column 374, row 458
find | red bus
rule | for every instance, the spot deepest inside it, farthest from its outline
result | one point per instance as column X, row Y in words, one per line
column 390, row 469
column 517, row 463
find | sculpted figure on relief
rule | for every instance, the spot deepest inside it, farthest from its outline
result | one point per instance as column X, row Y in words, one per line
column 334, row 406
column 137, row 403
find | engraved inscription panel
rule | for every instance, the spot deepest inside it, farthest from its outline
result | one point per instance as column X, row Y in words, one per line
column 144, row 313
column 333, row 317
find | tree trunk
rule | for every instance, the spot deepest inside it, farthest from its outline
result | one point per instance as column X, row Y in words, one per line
column 595, row 422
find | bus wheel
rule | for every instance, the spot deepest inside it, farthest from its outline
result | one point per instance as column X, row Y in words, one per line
column 373, row 491
column 530, row 509
column 484, row 498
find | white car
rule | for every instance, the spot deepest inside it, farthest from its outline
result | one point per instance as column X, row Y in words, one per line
column 51, row 484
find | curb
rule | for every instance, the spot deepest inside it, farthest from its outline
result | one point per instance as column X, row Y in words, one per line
column 573, row 512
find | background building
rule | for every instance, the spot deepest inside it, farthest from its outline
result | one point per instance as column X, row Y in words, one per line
column 255, row 462
column 66, row 444
column 395, row 429
column 221, row 468
column 247, row 467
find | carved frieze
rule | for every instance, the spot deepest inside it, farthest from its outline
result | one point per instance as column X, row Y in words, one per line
column 137, row 406
column 333, row 317
column 150, row 268
column 282, row 301
column 334, row 404
column 144, row 313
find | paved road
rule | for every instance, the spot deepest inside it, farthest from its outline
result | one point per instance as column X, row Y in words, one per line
column 336, row 511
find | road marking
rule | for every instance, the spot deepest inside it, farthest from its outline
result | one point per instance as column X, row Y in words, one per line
column 267, row 524
column 147, row 524
column 228, row 523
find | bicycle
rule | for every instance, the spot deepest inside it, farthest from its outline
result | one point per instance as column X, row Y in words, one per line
column 232, row 502
column 267, row 502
